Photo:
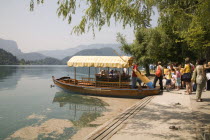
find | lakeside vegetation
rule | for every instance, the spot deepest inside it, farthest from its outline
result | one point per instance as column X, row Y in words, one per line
column 7, row 58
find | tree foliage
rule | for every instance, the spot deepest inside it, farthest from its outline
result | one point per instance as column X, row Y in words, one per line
column 149, row 46
column 185, row 22
column 98, row 13
column 189, row 20
column 7, row 58
column 46, row 61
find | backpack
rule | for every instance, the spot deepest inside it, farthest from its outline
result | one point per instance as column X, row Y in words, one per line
column 158, row 72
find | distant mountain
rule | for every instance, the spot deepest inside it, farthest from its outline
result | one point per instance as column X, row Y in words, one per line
column 94, row 49
column 12, row 47
column 7, row 58
column 92, row 52
column 47, row 61
column 97, row 52
column 60, row 54
column 31, row 56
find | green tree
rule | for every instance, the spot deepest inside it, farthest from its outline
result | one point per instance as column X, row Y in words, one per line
column 98, row 13
column 189, row 21
column 22, row 62
column 151, row 45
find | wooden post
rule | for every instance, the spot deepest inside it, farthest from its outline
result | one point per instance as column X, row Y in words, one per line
column 108, row 75
column 120, row 78
column 75, row 75
column 128, row 71
column 95, row 78
column 88, row 73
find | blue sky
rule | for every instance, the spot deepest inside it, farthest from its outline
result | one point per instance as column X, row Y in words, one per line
column 43, row 30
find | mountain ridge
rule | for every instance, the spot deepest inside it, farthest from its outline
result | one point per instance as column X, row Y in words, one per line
column 61, row 54
column 92, row 52
column 12, row 47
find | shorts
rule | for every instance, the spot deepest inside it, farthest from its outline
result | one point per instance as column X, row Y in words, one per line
column 187, row 77
column 168, row 81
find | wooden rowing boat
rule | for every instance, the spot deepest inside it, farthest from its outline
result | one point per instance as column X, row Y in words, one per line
column 103, row 88
column 93, row 86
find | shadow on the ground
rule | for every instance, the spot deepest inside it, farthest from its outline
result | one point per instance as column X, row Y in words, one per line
column 206, row 100
column 201, row 110
column 204, row 118
column 172, row 115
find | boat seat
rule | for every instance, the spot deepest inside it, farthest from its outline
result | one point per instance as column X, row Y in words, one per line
column 73, row 81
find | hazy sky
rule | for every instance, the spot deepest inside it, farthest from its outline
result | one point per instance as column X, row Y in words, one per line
column 43, row 30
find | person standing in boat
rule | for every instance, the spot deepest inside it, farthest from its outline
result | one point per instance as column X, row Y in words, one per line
column 134, row 76
column 159, row 76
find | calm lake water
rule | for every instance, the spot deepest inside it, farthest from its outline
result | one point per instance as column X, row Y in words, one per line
column 27, row 100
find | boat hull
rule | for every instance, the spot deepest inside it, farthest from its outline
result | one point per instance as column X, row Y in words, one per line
column 106, row 91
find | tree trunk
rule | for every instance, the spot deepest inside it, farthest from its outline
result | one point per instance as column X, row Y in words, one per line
column 147, row 69
column 207, row 54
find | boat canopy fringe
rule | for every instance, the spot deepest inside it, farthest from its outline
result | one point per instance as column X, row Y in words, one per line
column 101, row 61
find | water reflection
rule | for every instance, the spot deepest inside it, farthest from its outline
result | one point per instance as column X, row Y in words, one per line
column 85, row 109
column 8, row 78
column 6, row 71
column 10, row 75
column 68, row 98
column 28, row 103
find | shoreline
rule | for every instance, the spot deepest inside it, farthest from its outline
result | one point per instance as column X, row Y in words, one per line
column 57, row 128
column 116, row 106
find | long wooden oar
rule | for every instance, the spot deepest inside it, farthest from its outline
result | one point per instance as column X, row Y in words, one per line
column 140, row 75
column 119, row 55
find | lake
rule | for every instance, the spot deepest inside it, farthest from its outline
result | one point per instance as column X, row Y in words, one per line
column 29, row 106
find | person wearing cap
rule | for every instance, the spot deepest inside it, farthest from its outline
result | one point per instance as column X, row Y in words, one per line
column 134, row 76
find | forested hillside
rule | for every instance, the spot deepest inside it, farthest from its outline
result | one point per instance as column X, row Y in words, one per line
column 46, row 61
column 7, row 58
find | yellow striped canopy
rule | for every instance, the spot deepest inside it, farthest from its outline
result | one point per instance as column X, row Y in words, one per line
column 100, row 61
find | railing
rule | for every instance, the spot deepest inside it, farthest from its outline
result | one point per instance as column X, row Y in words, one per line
column 92, row 82
column 113, row 84
column 88, row 79
column 112, row 78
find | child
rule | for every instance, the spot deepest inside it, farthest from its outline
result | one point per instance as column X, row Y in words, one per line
column 168, row 80
column 178, row 78
column 181, row 69
column 173, row 81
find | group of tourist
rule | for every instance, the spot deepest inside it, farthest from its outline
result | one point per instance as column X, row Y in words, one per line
column 112, row 73
column 189, row 76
